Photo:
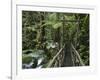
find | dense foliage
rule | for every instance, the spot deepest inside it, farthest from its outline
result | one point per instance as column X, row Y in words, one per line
column 47, row 34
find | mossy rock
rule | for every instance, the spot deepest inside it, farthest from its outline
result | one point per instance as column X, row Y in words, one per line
column 26, row 59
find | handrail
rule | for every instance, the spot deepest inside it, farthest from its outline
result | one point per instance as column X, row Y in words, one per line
column 78, row 56
column 52, row 61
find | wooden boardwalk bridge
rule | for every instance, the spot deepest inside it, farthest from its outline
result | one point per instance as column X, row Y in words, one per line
column 66, row 59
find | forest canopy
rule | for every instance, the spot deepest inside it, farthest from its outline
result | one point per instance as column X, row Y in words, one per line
column 54, row 39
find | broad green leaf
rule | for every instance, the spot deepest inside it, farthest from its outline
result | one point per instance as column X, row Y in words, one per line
column 57, row 25
column 52, row 17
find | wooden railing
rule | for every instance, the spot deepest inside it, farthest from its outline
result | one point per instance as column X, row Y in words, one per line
column 77, row 55
column 55, row 57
